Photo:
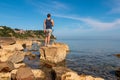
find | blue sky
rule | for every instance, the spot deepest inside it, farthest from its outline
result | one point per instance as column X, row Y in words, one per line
column 73, row 18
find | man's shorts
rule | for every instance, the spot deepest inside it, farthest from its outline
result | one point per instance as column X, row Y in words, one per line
column 48, row 32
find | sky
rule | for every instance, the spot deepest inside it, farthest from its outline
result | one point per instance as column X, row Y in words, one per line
column 72, row 18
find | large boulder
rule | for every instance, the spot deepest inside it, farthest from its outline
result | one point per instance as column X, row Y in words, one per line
column 25, row 73
column 17, row 57
column 63, row 45
column 52, row 54
column 5, row 54
column 12, row 47
column 63, row 73
column 6, row 66
column 38, row 74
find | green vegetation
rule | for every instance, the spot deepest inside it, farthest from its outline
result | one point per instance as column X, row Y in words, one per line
column 22, row 34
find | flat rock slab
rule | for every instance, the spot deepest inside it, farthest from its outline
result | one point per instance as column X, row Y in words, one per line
column 7, row 41
column 63, row 45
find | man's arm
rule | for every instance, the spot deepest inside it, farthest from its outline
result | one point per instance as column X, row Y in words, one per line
column 52, row 22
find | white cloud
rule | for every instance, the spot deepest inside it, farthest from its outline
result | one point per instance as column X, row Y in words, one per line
column 95, row 24
column 59, row 5
column 45, row 6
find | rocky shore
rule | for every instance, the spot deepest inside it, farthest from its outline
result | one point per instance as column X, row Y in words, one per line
column 13, row 67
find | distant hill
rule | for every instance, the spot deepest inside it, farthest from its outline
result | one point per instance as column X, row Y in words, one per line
column 22, row 34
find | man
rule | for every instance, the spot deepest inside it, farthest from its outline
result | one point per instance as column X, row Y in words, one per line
column 48, row 24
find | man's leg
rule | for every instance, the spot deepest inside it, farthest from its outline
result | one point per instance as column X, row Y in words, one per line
column 45, row 41
column 49, row 35
column 48, row 39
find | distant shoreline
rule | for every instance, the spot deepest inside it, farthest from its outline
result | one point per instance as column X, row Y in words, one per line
column 22, row 34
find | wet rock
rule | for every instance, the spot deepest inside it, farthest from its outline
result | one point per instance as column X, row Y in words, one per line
column 63, row 45
column 53, row 54
column 17, row 57
column 117, row 72
column 28, row 53
column 24, row 73
column 6, row 66
column 31, row 56
column 88, row 77
column 50, row 65
column 63, row 73
column 47, row 72
column 70, row 76
column 47, row 64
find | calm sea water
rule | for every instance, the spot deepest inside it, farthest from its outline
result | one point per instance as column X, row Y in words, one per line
column 94, row 57
column 89, row 56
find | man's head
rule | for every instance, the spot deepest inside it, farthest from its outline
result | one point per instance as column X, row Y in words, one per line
column 48, row 15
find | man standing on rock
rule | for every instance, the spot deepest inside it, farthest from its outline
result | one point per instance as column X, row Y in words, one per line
column 48, row 24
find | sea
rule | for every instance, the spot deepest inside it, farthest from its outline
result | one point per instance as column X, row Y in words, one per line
column 94, row 57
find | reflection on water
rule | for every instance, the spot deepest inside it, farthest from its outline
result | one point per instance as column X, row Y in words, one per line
column 35, row 63
column 35, row 46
